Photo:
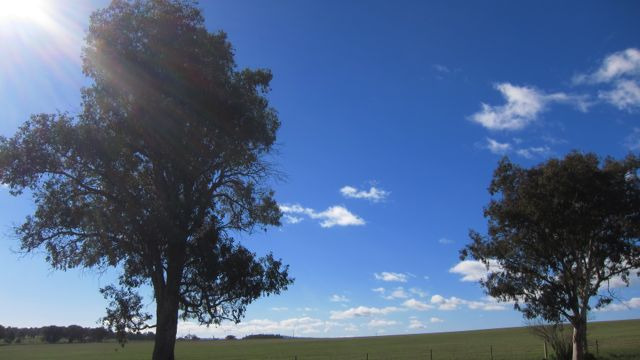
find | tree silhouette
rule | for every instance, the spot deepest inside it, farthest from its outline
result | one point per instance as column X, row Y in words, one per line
column 165, row 164
column 561, row 231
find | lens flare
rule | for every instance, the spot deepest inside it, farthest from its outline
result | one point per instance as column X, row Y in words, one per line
column 23, row 10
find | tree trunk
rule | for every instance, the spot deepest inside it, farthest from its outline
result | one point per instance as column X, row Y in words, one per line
column 166, row 329
column 579, row 339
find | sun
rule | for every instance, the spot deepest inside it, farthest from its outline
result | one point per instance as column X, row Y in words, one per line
column 23, row 10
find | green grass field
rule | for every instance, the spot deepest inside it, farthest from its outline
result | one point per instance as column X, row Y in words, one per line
column 616, row 340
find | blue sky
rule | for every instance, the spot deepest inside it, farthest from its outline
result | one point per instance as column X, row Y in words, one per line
column 394, row 115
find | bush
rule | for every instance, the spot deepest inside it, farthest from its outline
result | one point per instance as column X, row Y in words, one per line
column 558, row 338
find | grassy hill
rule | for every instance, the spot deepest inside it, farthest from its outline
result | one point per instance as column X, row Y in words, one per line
column 616, row 340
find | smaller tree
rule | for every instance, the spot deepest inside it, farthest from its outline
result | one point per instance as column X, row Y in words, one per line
column 560, row 232
column 2, row 332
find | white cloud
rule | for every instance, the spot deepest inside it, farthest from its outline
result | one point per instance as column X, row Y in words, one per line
column 306, row 309
column 302, row 325
column 473, row 270
column 337, row 216
column 532, row 152
column 398, row 293
column 381, row 323
column 453, row 303
column 617, row 282
column 418, row 291
column 378, row 290
column 435, row 320
column 416, row 324
column 486, row 306
column 443, row 303
column 338, row 298
column 351, row 328
column 290, row 219
column 522, row 107
column 497, row 147
column 282, row 308
column 362, row 311
column 391, row 276
column 617, row 65
column 333, row 216
column 625, row 95
column 622, row 70
column 633, row 303
column 417, row 305
column 373, row 194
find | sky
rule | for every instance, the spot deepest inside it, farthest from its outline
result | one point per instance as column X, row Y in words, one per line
column 394, row 116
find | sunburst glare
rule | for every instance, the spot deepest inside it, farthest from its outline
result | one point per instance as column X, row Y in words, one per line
column 39, row 34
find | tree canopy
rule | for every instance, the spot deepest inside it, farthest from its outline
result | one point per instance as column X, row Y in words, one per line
column 165, row 164
column 561, row 232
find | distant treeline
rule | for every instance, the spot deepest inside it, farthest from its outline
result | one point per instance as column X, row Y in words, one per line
column 53, row 334
column 263, row 336
column 78, row 334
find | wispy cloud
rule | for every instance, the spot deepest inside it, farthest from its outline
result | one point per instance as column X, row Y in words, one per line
column 498, row 147
column 290, row 219
column 614, row 66
column 416, row 324
column 445, row 241
column 381, row 323
column 441, row 68
column 338, row 298
column 398, row 293
column 333, row 216
column 473, row 270
column 453, row 303
column 625, row 95
column 281, row 308
column 414, row 304
column 531, row 152
column 391, row 276
column 632, row 141
column 418, row 291
column 633, row 303
column 374, row 194
column 362, row 311
column 301, row 325
column 622, row 70
column 435, row 320
column 534, row 152
column 523, row 106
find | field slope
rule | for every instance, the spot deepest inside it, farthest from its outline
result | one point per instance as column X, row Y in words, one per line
column 616, row 340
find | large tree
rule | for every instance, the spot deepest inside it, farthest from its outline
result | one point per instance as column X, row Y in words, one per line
column 560, row 232
column 165, row 164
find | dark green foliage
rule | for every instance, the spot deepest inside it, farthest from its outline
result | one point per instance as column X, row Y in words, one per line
column 9, row 335
column 75, row 333
column 164, row 165
column 560, row 232
column 124, row 312
column 97, row 334
column 52, row 334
